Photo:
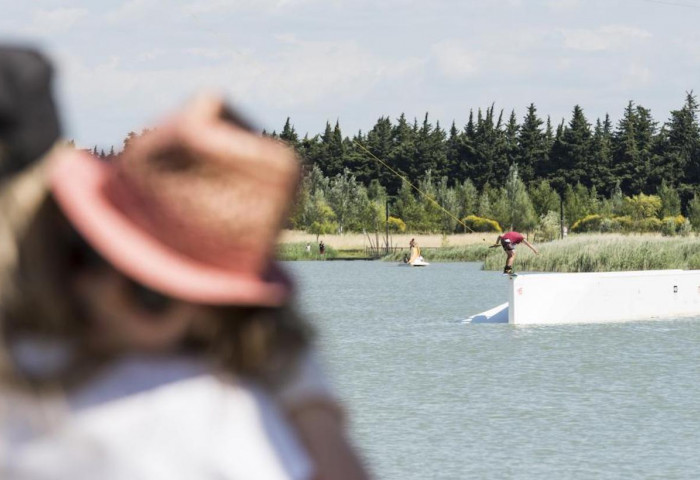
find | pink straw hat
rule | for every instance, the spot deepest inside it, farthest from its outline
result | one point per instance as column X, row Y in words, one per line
column 192, row 209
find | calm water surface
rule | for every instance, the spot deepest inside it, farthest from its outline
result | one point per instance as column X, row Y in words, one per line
column 431, row 397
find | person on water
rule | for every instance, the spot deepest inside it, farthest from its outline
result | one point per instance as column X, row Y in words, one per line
column 508, row 241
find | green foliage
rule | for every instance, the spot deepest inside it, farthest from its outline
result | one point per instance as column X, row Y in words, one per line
column 642, row 206
column 544, row 198
column 483, row 208
column 396, row 225
column 345, row 197
column 448, row 199
column 479, row 224
column 651, row 224
column 577, row 203
column 668, row 227
column 468, row 198
column 685, row 229
column 322, row 228
column 549, row 227
column 589, row 223
column 319, row 216
column 694, row 212
column 602, row 224
column 520, row 214
column 670, row 200
column 469, row 171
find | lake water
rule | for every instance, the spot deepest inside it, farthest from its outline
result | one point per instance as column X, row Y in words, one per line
column 432, row 397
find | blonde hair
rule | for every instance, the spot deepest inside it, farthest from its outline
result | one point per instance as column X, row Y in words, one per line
column 36, row 298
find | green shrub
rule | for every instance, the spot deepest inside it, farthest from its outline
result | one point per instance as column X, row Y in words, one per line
column 625, row 224
column 589, row 223
column 672, row 225
column 480, row 224
column 648, row 225
column 609, row 225
column 396, row 224
column 685, row 229
column 643, row 206
column 549, row 227
column 668, row 229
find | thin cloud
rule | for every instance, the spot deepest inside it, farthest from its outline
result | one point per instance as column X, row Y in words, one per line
column 54, row 21
column 454, row 60
column 606, row 38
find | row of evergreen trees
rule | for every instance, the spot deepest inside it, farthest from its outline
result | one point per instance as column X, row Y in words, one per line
column 637, row 154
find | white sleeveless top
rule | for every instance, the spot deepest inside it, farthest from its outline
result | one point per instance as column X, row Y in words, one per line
column 154, row 418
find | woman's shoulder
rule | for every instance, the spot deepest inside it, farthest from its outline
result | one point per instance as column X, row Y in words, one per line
column 168, row 408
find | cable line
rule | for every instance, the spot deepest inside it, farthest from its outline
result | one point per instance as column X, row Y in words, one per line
column 674, row 4
column 413, row 186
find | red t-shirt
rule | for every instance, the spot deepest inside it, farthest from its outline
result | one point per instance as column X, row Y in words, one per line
column 514, row 237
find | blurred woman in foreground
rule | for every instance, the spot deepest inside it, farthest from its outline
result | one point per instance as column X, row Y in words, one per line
column 146, row 330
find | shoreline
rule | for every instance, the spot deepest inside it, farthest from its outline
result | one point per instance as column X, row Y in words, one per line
column 576, row 253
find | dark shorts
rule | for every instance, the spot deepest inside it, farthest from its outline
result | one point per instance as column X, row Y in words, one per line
column 507, row 245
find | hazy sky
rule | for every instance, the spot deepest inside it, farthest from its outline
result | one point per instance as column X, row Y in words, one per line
column 122, row 64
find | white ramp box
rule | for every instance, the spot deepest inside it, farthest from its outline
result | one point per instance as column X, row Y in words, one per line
column 561, row 298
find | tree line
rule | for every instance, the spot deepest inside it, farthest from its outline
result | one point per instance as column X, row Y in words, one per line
column 518, row 174
column 637, row 152
column 513, row 172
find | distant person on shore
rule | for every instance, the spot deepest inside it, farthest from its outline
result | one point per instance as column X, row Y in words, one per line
column 508, row 241
column 321, row 248
column 308, row 248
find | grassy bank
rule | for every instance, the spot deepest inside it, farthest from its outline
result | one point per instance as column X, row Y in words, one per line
column 582, row 253
column 576, row 253
column 601, row 253
column 466, row 253
column 297, row 251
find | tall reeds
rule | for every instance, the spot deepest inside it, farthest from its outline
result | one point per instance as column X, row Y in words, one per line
column 601, row 253
column 583, row 253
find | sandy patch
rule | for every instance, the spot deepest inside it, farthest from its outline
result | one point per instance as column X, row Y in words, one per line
column 353, row 241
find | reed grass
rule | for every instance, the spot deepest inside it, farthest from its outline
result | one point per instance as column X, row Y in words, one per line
column 581, row 253
column 467, row 253
column 576, row 253
column 604, row 253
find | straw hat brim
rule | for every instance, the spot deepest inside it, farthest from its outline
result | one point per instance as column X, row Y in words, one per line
column 78, row 182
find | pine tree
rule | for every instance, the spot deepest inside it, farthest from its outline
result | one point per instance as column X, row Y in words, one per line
column 681, row 159
column 402, row 153
column 645, row 131
column 601, row 173
column 380, row 143
column 452, row 151
column 574, row 158
column 532, row 146
column 510, row 137
column 289, row 135
column 670, row 200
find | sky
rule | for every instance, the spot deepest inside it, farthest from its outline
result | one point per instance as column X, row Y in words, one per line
column 123, row 65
